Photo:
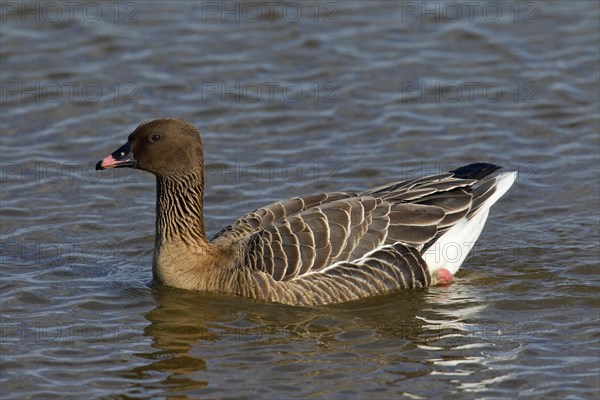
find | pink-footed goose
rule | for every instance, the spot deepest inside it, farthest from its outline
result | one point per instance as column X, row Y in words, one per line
column 312, row 250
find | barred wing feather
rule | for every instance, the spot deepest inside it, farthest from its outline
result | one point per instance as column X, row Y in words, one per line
column 357, row 244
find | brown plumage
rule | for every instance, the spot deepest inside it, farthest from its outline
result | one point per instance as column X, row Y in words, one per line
column 317, row 249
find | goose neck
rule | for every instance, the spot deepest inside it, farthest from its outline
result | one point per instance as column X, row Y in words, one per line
column 179, row 208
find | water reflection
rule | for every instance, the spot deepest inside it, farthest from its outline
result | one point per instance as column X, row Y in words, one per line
column 183, row 318
column 194, row 333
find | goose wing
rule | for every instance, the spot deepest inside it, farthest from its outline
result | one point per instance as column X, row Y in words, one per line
column 295, row 238
column 263, row 218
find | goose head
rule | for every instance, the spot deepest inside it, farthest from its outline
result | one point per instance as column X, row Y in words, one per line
column 164, row 147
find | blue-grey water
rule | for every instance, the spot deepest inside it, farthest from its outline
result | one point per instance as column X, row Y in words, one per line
column 295, row 98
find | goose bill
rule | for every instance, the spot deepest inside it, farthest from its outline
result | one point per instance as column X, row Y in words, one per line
column 120, row 158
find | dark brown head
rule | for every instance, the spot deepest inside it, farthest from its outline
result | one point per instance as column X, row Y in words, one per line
column 165, row 147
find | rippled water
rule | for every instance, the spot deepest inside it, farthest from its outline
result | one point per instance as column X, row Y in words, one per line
column 294, row 100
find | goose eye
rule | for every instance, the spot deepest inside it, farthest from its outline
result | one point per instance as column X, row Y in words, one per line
column 155, row 137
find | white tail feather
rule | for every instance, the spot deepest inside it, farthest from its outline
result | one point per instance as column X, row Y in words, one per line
column 451, row 249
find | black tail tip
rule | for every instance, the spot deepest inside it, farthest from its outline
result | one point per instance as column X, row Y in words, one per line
column 475, row 171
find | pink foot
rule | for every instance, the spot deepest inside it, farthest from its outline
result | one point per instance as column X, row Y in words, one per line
column 445, row 277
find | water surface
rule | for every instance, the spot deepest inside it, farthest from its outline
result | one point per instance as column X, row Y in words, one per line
column 343, row 96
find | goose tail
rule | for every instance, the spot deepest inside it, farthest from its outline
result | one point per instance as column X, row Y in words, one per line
column 452, row 248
